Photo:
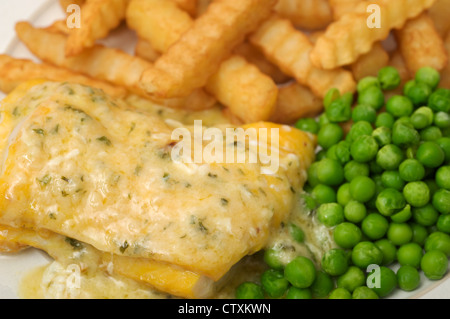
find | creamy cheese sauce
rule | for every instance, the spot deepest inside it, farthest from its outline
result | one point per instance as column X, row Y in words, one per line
column 84, row 158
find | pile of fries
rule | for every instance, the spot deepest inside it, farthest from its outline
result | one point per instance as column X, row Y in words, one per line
column 260, row 60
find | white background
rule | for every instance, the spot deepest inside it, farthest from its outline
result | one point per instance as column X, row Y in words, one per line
column 13, row 11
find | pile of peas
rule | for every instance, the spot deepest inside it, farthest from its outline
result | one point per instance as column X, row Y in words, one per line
column 383, row 187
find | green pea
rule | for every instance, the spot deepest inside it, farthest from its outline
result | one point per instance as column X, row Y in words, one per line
column 443, row 177
column 323, row 120
column 439, row 100
column 444, row 144
column 431, row 133
column 300, row 272
column 408, row 278
column 354, row 211
column 363, row 112
column 387, row 282
column 366, row 253
column 420, row 233
column 330, row 214
column 418, row 93
column 404, row 135
column 343, row 196
column 364, row 149
column 331, row 95
column 298, row 293
column 366, row 82
column 364, row 292
column 274, row 283
column 340, row 293
column 434, row 264
column 308, row 125
column 353, row 169
column 389, row 157
column 416, row 194
column 443, row 223
column 430, row 154
column 441, row 201
column 330, row 172
column 374, row 226
column 322, row 285
column 429, row 76
column 382, row 136
column 390, row 201
column 411, row 170
column 392, row 179
column 273, row 258
column 329, row 135
column 339, row 111
column 342, row 152
column 358, row 129
column 347, row 235
column 438, row 241
column 351, row 279
column 410, row 254
column 335, row 262
column 313, row 180
column 249, row 290
column 389, row 78
column 426, row 215
column 442, row 120
column 372, row 96
column 422, row 117
column 388, row 249
column 362, row 188
column 399, row 233
column 323, row 194
column 384, row 119
column 399, row 106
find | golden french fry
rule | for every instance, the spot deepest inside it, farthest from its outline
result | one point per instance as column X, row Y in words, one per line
column 229, row 84
column 59, row 26
column 192, row 60
column 161, row 23
column 254, row 56
column 202, row 6
column 354, row 34
column 313, row 36
column 98, row 18
column 445, row 74
column 66, row 3
column 370, row 63
column 421, row 45
column 306, row 14
column 100, row 62
column 289, row 49
column 251, row 104
column 190, row 6
column 296, row 101
column 440, row 13
column 16, row 71
column 342, row 7
column 146, row 51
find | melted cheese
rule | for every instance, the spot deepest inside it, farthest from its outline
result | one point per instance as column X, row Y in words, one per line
column 80, row 165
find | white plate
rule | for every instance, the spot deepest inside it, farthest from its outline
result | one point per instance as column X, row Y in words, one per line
column 43, row 13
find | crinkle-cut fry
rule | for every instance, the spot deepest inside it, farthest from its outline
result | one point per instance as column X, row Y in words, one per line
column 445, row 74
column 103, row 63
column 342, row 7
column 254, row 56
column 306, row 14
column 145, row 50
column 195, row 57
column 230, row 83
column 296, row 101
column 190, row 6
column 16, row 71
column 98, row 18
column 59, row 26
column 160, row 22
column 66, row 3
column 290, row 49
column 349, row 37
column 370, row 63
column 202, row 6
column 440, row 13
column 251, row 104
column 421, row 45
